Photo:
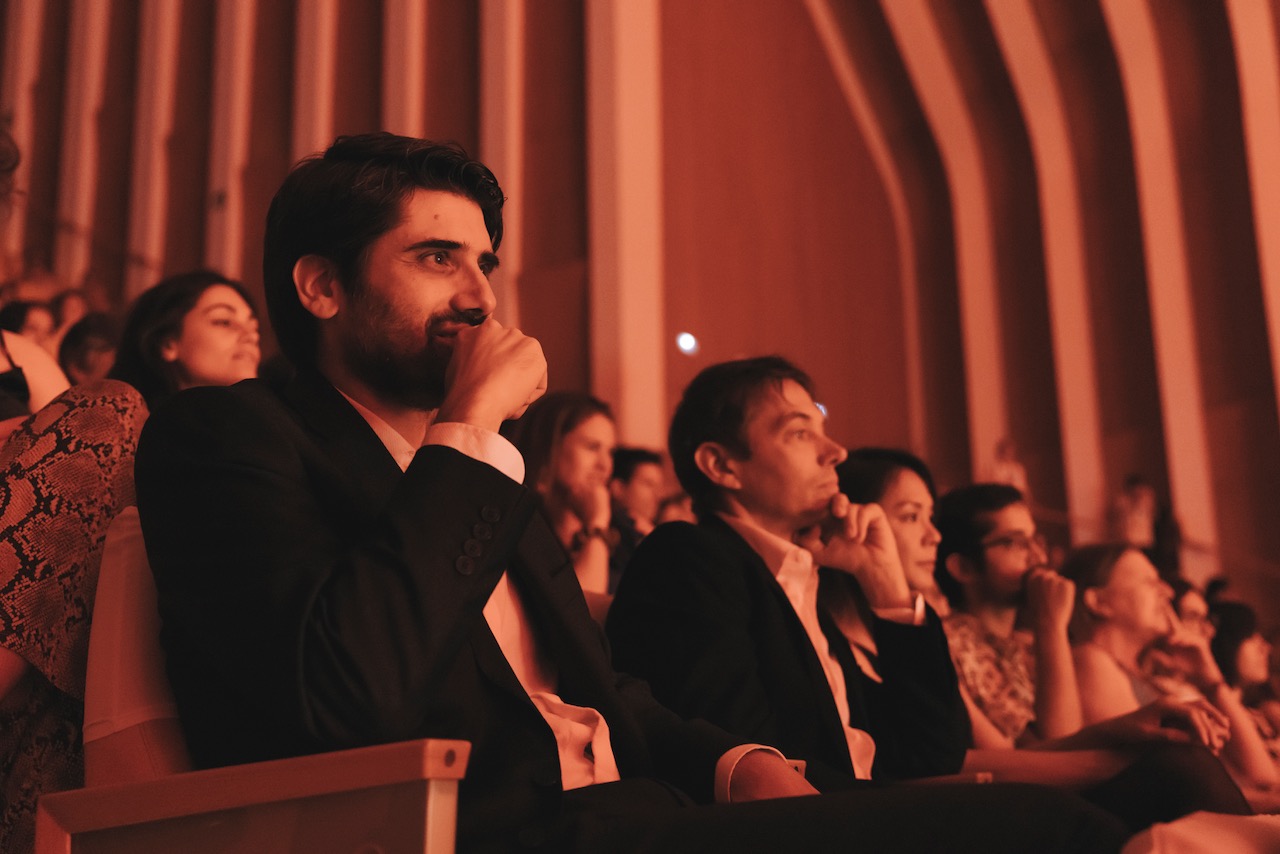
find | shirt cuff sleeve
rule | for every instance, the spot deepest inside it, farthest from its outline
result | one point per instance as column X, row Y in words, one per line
column 913, row 616
column 479, row 444
column 729, row 761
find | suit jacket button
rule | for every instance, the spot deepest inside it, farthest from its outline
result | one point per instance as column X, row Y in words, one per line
column 489, row 513
column 482, row 531
column 472, row 548
column 465, row 565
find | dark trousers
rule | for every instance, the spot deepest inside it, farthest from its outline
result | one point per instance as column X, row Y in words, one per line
column 644, row 816
column 1168, row 781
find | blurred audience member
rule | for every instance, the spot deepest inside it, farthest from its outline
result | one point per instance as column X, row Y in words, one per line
column 88, row 349
column 32, row 320
column 1008, row 469
column 1133, row 513
column 637, row 485
column 1244, row 656
column 636, row 488
column 567, row 441
column 1191, row 607
column 29, row 376
column 1123, row 609
column 68, row 307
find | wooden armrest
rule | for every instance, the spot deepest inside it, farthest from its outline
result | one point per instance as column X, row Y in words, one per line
column 436, row 764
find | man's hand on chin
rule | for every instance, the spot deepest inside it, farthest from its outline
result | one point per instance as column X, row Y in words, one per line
column 763, row 774
column 856, row 539
column 493, row 375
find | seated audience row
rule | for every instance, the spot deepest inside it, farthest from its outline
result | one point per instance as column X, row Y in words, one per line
column 398, row 569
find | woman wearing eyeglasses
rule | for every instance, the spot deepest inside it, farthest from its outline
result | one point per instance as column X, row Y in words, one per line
column 1124, row 614
column 1008, row 627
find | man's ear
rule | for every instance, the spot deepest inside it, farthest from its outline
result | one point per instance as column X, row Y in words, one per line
column 715, row 461
column 960, row 568
column 317, row 285
column 616, row 488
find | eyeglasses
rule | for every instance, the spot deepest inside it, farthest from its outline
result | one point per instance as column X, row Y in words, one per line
column 1016, row 543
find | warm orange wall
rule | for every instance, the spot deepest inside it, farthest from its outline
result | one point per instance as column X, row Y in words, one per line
column 553, row 283
column 777, row 231
column 1235, row 368
column 189, row 145
column 1120, row 321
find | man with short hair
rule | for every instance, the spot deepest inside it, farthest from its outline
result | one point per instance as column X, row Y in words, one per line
column 635, row 488
column 722, row 619
column 636, row 485
column 350, row 558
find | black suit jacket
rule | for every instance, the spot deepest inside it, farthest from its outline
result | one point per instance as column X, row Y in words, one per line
column 699, row 615
column 314, row 597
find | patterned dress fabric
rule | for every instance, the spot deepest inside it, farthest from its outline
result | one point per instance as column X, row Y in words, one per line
column 64, row 474
column 999, row 673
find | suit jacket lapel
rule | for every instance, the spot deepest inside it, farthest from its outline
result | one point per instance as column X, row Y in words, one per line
column 369, row 473
column 811, row 679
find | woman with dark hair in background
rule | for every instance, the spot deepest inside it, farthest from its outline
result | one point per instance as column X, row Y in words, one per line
column 567, row 440
column 902, row 484
column 192, row 329
column 1244, row 656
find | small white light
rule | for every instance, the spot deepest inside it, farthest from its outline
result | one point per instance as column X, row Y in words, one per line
column 686, row 343
column 821, row 408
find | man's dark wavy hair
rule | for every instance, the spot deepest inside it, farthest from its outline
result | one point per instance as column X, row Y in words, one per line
column 335, row 205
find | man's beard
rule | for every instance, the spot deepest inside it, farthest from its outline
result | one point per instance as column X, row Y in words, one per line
column 395, row 359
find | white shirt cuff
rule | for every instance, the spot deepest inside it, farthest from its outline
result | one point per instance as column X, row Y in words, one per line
column 729, row 761
column 913, row 616
column 479, row 444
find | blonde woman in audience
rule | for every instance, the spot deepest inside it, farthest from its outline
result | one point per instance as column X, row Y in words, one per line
column 567, row 441
column 64, row 475
column 1123, row 610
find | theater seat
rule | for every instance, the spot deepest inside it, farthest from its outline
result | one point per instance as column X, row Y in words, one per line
column 141, row 795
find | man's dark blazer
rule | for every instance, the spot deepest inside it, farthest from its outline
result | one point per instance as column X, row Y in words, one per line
column 702, row 619
column 314, row 597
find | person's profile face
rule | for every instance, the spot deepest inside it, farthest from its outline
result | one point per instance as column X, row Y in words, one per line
column 217, row 343
column 789, row 478
column 422, row 282
column 909, row 508
column 1010, row 550
column 1136, row 600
